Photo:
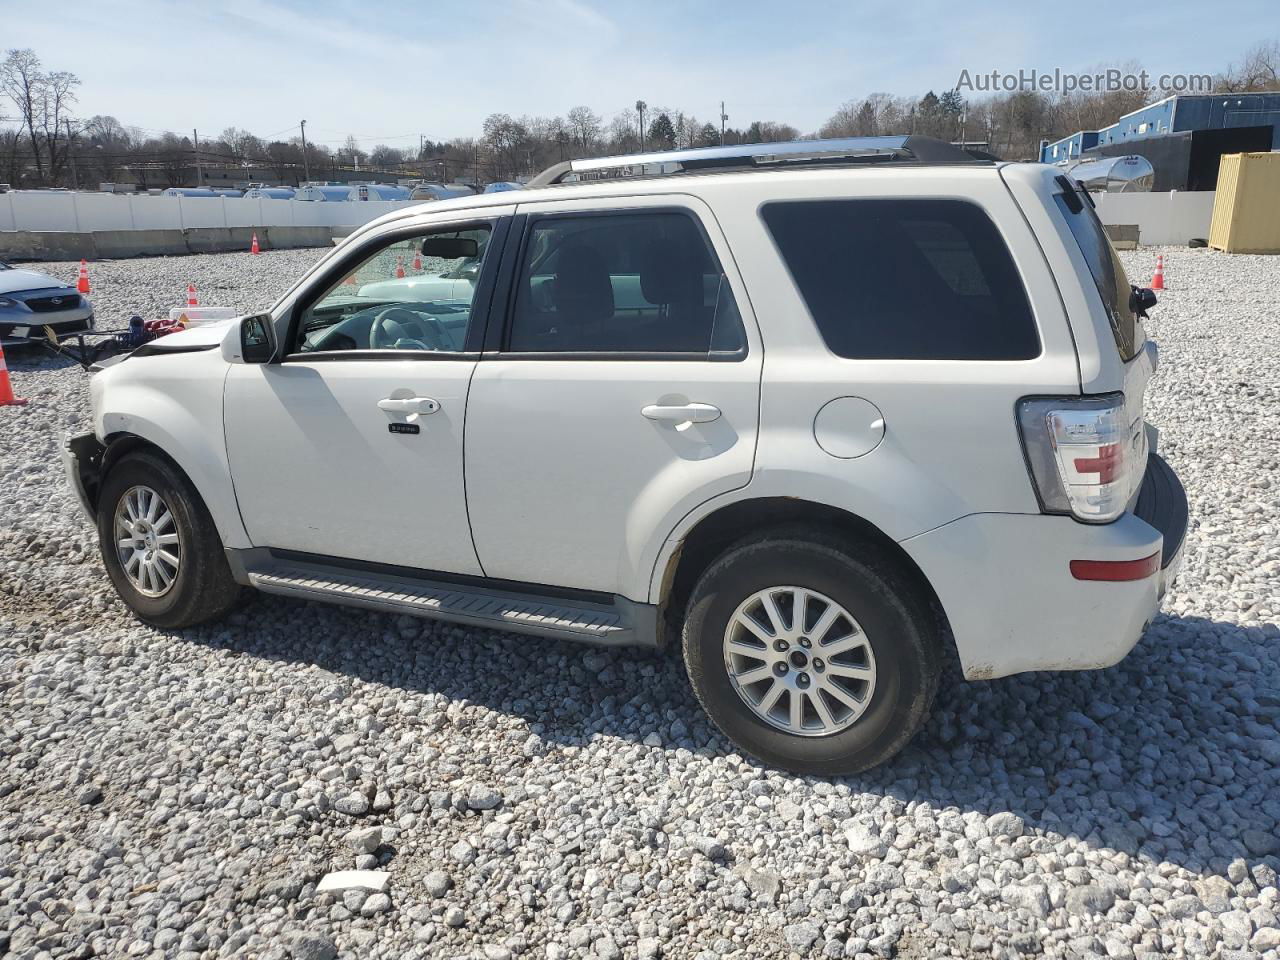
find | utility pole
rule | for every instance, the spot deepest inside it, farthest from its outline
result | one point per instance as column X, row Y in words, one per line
column 306, row 170
column 71, row 156
column 723, row 117
column 477, row 164
column 195, row 139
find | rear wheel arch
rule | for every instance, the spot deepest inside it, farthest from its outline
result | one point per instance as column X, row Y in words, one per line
column 718, row 531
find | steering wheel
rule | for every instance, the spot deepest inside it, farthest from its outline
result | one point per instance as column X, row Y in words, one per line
column 390, row 328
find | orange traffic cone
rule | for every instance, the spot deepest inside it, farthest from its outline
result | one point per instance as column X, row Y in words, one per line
column 1157, row 281
column 7, row 399
column 253, row 247
column 191, row 296
column 82, row 284
column 417, row 263
column 399, row 267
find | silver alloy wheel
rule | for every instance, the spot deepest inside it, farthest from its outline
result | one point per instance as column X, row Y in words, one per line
column 800, row 661
column 147, row 541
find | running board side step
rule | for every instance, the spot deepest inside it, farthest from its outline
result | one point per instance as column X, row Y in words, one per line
column 618, row 624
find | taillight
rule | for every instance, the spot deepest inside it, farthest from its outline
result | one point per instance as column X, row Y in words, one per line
column 1080, row 454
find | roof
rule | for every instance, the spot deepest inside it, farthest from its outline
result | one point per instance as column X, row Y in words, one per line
column 755, row 156
column 614, row 186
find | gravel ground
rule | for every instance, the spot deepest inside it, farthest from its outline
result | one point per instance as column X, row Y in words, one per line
column 180, row 794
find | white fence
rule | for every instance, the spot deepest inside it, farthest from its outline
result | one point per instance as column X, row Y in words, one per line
column 93, row 212
column 1162, row 218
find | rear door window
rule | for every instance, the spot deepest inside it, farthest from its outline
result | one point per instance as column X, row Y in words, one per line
column 905, row 279
column 627, row 284
column 1105, row 267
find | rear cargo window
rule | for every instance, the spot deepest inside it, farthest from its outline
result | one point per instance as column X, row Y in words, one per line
column 905, row 279
column 1107, row 270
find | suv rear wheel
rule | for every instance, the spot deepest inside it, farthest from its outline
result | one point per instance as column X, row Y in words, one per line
column 810, row 655
column 160, row 546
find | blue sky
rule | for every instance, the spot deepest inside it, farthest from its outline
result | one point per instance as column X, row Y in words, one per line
column 387, row 72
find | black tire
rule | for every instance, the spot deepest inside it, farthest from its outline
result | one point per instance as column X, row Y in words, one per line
column 203, row 588
column 895, row 615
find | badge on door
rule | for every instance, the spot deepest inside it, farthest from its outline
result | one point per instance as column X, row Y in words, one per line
column 403, row 428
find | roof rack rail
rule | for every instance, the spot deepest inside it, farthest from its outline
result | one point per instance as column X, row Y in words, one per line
column 752, row 156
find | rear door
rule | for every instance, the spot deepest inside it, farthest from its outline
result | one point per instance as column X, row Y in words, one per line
column 621, row 392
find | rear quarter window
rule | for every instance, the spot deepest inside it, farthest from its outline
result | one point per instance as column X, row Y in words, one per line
column 905, row 279
column 1106, row 269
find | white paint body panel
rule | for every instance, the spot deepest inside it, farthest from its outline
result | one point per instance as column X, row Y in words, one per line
column 175, row 402
column 1012, row 602
column 568, row 483
column 316, row 469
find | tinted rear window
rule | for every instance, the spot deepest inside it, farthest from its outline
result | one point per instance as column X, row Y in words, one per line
column 905, row 279
column 1107, row 270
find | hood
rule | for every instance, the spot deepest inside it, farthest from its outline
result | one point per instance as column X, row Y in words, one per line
column 210, row 333
column 12, row 281
column 206, row 336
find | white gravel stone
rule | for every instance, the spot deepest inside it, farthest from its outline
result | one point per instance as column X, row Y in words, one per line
column 437, row 883
column 370, row 881
column 365, row 840
column 181, row 793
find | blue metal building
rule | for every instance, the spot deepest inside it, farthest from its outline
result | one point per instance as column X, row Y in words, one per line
column 1179, row 113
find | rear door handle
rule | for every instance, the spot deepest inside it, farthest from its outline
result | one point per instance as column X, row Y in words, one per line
column 409, row 405
column 682, row 413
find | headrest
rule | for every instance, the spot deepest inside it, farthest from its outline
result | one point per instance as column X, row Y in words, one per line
column 670, row 273
column 582, row 291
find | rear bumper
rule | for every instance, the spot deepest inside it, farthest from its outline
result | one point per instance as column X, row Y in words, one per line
column 1005, row 582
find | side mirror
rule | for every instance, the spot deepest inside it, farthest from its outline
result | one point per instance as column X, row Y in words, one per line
column 253, row 340
column 450, row 248
column 1141, row 300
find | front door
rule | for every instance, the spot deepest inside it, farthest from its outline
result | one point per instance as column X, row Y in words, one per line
column 623, row 392
column 351, row 445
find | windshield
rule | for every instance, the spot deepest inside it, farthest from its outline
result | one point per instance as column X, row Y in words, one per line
column 1107, row 270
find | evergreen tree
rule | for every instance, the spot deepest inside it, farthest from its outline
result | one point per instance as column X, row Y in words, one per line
column 662, row 133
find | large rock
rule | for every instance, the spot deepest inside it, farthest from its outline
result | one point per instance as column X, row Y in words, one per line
column 801, row 936
column 1091, row 899
column 311, row 946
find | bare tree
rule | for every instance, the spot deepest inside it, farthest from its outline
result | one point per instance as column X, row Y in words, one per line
column 507, row 139
column 384, row 157
column 585, row 128
column 1258, row 71
column 11, row 156
column 242, row 146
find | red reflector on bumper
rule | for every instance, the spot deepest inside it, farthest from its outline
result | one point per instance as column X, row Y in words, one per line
column 1116, row 570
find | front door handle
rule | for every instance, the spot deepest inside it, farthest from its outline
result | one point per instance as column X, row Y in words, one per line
column 682, row 413
column 409, row 405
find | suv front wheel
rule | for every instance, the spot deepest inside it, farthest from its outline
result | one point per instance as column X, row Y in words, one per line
column 809, row 655
column 159, row 545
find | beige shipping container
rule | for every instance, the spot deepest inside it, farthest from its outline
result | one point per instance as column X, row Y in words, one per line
column 1246, row 209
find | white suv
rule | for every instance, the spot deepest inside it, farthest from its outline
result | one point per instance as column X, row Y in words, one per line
column 815, row 411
